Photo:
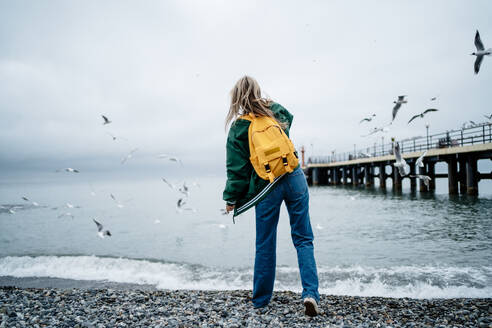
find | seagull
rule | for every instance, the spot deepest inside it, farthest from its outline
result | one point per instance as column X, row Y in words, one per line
column 419, row 161
column 179, row 206
column 472, row 123
column 319, row 227
column 421, row 115
column 69, row 205
column 115, row 137
column 128, row 156
column 400, row 162
column 10, row 210
column 171, row 158
column 106, row 120
column 376, row 130
column 68, row 169
column 425, row 178
column 433, row 98
column 480, row 52
column 184, row 190
column 66, row 214
column 180, row 203
column 116, row 201
column 401, row 100
column 489, row 117
column 27, row 200
column 368, row 119
column 169, row 184
column 100, row 230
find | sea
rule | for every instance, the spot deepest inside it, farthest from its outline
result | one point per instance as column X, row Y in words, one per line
column 368, row 242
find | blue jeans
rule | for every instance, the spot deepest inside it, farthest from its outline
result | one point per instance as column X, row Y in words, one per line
column 293, row 190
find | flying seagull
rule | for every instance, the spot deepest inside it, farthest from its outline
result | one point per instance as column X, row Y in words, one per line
column 368, row 119
column 27, row 200
column 66, row 214
column 116, row 201
column 100, row 230
column 171, row 158
column 401, row 100
column 419, row 161
column 400, row 162
column 425, row 178
column 115, row 137
column 421, row 115
column 376, row 130
column 480, row 52
column 169, row 184
column 68, row 169
column 128, row 156
column 433, row 98
column 184, row 190
column 106, row 120
column 489, row 117
column 180, row 203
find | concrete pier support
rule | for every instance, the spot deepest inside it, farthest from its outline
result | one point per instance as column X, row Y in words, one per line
column 355, row 178
column 397, row 179
column 315, row 174
column 336, row 175
column 422, row 186
column 471, row 176
column 431, row 172
column 368, row 176
column 324, row 179
column 382, row 176
column 452, row 176
column 344, row 175
column 462, row 175
column 413, row 181
column 332, row 175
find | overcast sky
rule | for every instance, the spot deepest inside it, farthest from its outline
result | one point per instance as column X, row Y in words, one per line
column 162, row 72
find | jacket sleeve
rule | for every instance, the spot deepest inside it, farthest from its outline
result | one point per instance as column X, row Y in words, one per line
column 238, row 167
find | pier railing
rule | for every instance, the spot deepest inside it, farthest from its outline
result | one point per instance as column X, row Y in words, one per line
column 477, row 134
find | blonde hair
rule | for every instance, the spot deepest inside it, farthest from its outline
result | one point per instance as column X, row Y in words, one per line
column 246, row 98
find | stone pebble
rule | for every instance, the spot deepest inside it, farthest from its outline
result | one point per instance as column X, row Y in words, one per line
column 100, row 308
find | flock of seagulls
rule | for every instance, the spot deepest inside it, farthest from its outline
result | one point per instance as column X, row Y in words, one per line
column 400, row 163
column 181, row 204
column 401, row 100
column 396, row 108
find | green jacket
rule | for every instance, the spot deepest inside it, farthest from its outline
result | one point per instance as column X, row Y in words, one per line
column 244, row 188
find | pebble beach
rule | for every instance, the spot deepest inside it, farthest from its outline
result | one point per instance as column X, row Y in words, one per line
column 49, row 307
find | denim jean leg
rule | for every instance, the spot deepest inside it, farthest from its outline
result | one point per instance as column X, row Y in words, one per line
column 267, row 214
column 297, row 202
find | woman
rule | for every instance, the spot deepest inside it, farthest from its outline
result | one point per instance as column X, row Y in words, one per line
column 245, row 189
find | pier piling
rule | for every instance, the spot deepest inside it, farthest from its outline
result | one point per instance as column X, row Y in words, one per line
column 382, row 176
column 471, row 176
column 452, row 176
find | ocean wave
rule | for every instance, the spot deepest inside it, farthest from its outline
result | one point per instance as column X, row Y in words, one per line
column 401, row 281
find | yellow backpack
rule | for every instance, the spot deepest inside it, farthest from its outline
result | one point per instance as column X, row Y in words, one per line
column 272, row 154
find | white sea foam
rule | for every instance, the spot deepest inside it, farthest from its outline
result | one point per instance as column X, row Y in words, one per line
column 402, row 281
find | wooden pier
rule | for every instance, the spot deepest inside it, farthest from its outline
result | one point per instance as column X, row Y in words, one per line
column 460, row 149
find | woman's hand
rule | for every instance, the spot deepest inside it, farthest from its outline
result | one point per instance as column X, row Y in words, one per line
column 229, row 208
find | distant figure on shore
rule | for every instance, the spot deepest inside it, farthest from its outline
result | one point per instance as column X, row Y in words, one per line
column 258, row 183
